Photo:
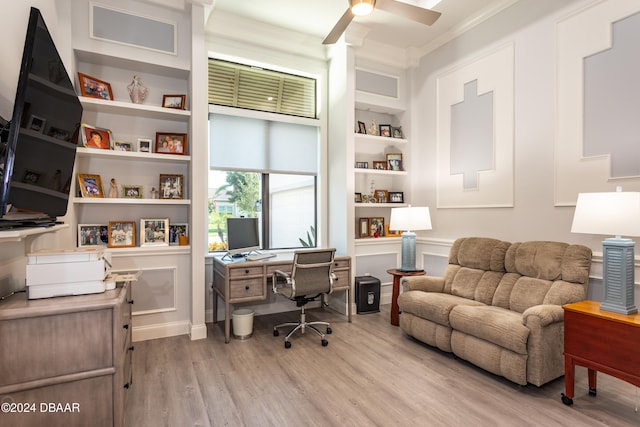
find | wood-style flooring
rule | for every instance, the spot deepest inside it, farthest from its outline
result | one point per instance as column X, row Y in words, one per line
column 370, row 374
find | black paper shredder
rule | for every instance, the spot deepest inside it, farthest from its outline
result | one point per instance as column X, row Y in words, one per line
column 367, row 294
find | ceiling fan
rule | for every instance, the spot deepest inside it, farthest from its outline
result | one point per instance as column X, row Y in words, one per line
column 365, row 7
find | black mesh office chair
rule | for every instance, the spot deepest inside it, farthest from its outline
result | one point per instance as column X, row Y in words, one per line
column 310, row 278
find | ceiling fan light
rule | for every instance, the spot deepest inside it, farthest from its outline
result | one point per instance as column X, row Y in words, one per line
column 362, row 7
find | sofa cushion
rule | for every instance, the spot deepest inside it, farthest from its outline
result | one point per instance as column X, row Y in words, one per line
column 432, row 306
column 475, row 284
column 493, row 324
column 481, row 253
column 528, row 292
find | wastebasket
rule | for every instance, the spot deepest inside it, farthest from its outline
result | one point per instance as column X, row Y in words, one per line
column 242, row 321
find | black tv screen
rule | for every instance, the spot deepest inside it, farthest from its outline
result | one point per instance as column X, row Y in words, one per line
column 37, row 159
column 243, row 235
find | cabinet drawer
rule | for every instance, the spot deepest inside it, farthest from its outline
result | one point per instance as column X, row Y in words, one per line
column 340, row 264
column 245, row 272
column 342, row 279
column 247, row 288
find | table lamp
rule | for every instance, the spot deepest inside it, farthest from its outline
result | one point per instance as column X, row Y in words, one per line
column 614, row 213
column 409, row 219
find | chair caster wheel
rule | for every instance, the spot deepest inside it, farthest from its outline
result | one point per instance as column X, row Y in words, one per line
column 567, row 400
column 329, row 331
column 287, row 344
column 325, row 343
column 276, row 333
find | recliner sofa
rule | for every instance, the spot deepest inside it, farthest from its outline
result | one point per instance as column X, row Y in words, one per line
column 499, row 305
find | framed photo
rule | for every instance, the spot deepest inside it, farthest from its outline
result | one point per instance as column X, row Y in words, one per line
column 36, row 123
column 379, row 165
column 394, row 162
column 90, row 185
column 171, row 143
column 94, row 88
column 93, row 137
column 358, row 198
column 382, row 196
column 385, row 130
column 362, row 165
column 31, row 177
column 174, row 101
column 176, row 231
column 363, row 230
column 391, row 233
column 93, row 235
column 145, row 145
column 362, row 128
column 123, row 146
column 171, row 186
column 396, row 132
column 131, row 191
column 396, row 197
column 376, row 227
column 154, row 232
column 122, row 234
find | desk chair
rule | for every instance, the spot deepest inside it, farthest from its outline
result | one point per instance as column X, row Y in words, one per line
column 310, row 278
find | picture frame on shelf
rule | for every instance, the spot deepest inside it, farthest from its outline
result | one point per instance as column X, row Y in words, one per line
column 31, row 176
column 171, row 186
column 384, row 130
column 90, row 185
column 174, row 101
column 362, row 165
column 358, row 198
column 123, row 146
column 394, row 161
column 176, row 231
column 93, row 235
column 396, row 197
column 93, row 137
column 362, row 128
column 131, row 191
column 391, row 233
column 376, row 227
column 94, row 88
column 171, row 143
column 145, row 145
column 382, row 196
column 363, row 229
column 122, row 234
column 379, row 165
column 36, row 123
column 154, row 232
column 396, row 132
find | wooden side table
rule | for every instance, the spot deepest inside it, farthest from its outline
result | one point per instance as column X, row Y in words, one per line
column 600, row 341
column 397, row 274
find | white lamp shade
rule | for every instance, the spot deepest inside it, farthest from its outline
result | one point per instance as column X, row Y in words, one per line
column 410, row 218
column 613, row 213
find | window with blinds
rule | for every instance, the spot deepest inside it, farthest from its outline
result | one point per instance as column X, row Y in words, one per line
column 254, row 88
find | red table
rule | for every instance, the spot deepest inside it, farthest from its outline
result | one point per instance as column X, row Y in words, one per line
column 397, row 274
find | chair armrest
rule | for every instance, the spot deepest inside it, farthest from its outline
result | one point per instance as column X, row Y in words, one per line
column 422, row 283
column 276, row 279
column 542, row 315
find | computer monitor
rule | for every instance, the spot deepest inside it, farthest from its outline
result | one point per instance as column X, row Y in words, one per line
column 243, row 236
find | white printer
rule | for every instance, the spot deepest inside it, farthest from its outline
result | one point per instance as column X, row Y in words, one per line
column 69, row 272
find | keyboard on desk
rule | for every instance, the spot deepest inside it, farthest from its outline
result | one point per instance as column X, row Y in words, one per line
column 258, row 257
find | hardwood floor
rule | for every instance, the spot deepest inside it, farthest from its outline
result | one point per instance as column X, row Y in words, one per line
column 370, row 374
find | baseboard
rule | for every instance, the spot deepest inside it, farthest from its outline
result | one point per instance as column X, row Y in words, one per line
column 198, row 332
column 163, row 330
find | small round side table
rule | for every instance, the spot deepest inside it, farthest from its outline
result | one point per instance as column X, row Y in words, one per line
column 397, row 274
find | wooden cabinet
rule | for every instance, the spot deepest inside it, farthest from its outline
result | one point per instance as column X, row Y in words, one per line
column 67, row 360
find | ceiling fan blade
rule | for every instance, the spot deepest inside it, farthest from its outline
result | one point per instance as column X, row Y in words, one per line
column 339, row 28
column 415, row 13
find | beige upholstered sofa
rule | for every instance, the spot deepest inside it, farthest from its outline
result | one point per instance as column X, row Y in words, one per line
column 499, row 305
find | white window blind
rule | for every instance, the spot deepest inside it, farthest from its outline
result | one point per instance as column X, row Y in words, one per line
column 242, row 143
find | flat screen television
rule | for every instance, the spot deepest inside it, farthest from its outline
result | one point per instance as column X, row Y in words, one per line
column 36, row 161
column 243, row 236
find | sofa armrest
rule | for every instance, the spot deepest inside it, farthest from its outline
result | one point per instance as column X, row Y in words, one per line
column 422, row 283
column 542, row 315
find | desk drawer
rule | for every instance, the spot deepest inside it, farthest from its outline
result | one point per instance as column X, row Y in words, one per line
column 341, row 264
column 247, row 288
column 245, row 272
column 342, row 279
column 282, row 267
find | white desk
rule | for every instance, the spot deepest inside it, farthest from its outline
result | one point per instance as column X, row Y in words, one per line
column 238, row 281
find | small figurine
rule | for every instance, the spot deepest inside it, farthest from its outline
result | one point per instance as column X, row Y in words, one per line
column 373, row 129
column 137, row 92
column 113, row 189
column 154, row 193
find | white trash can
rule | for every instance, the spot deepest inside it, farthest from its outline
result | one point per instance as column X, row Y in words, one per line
column 242, row 320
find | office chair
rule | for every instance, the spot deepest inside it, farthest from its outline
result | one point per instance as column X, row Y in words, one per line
column 310, row 278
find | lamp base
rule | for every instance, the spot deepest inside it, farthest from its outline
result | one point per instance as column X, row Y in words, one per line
column 618, row 276
column 408, row 251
